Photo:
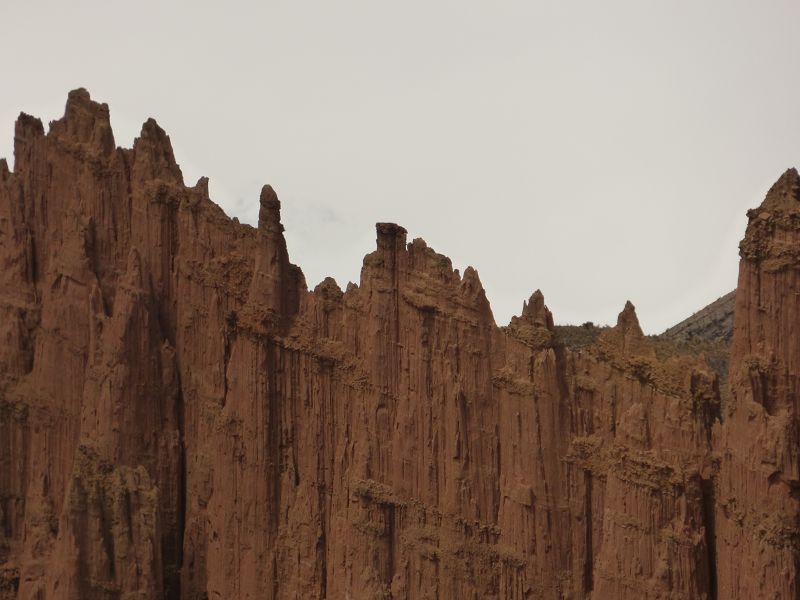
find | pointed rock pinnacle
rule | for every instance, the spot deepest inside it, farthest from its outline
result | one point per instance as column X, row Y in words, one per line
column 269, row 213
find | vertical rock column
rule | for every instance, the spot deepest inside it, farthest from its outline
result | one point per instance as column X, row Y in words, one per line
column 276, row 282
column 758, row 492
column 251, row 454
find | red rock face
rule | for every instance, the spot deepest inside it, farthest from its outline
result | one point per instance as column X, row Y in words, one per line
column 180, row 417
column 758, row 501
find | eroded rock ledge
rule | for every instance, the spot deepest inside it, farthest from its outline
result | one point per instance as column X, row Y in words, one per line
column 180, row 417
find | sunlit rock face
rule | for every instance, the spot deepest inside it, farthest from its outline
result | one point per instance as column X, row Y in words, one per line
column 180, row 417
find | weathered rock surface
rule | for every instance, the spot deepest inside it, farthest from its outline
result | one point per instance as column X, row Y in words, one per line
column 758, row 492
column 180, row 417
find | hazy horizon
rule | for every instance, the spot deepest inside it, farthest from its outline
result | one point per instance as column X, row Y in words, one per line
column 598, row 153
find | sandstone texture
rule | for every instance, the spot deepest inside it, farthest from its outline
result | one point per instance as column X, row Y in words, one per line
column 181, row 417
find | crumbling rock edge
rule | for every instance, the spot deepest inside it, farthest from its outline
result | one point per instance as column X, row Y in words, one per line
column 180, row 417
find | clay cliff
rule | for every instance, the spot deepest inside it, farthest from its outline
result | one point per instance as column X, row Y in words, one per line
column 181, row 417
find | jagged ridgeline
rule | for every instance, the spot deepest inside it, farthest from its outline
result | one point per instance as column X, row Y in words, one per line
column 180, row 417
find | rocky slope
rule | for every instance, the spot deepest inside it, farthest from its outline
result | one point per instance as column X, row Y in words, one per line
column 180, row 417
column 712, row 323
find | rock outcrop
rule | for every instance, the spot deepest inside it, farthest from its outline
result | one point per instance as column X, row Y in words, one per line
column 180, row 417
column 758, row 493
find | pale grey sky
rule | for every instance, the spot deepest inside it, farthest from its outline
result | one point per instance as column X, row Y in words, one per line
column 600, row 151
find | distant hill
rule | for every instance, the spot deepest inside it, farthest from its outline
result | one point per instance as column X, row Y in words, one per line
column 714, row 323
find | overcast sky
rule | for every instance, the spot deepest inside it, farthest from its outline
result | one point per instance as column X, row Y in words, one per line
column 600, row 151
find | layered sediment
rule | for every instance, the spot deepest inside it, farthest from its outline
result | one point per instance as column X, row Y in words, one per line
column 181, row 417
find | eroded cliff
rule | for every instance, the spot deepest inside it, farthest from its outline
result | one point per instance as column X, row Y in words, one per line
column 180, row 417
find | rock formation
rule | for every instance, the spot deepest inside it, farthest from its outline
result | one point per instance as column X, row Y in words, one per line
column 757, row 508
column 180, row 417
